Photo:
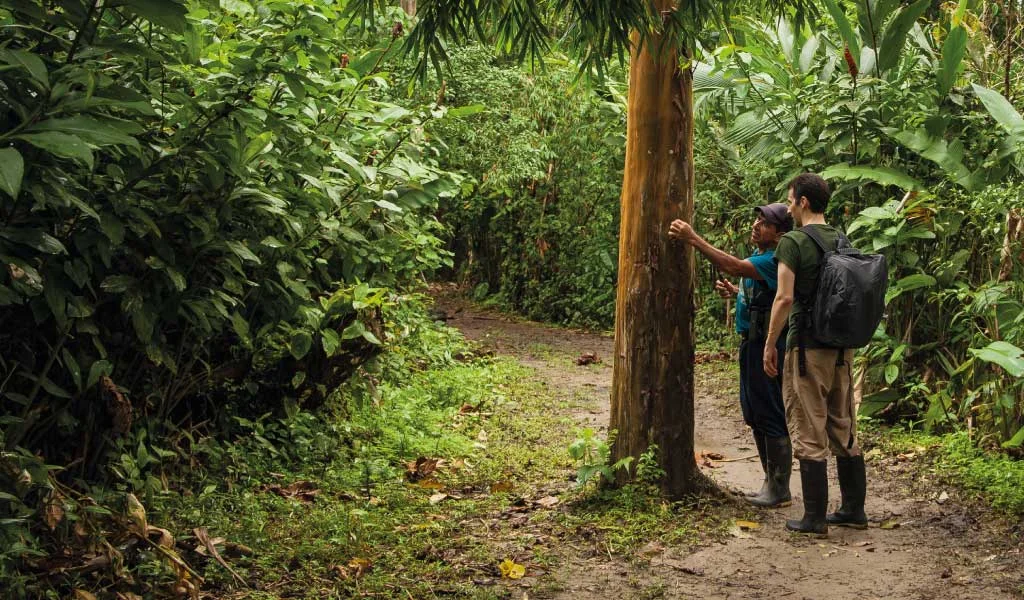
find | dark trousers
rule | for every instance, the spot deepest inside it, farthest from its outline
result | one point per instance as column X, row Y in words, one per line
column 761, row 395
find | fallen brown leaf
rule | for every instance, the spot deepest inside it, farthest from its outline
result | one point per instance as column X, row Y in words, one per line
column 359, row 566
column 53, row 512
column 547, row 501
column 165, row 539
column 713, row 455
column 420, row 469
column 137, row 516
column 501, row 486
column 304, row 491
column 436, row 498
column 204, row 538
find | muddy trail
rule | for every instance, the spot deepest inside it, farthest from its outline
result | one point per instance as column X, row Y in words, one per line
column 922, row 542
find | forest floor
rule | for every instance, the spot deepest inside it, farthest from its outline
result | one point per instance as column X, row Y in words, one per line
column 925, row 539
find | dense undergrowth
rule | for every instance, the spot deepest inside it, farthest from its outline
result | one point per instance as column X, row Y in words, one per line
column 421, row 477
column 923, row 152
column 214, row 217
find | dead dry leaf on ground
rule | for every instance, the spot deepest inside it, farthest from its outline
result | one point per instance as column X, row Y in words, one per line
column 436, row 498
column 511, row 570
column 706, row 357
column 359, row 566
column 204, row 538
column 748, row 525
column 83, row 595
column 137, row 515
column 164, row 537
column 890, row 524
column 547, row 501
column 713, row 455
column 420, row 469
column 53, row 512
column 303, row 491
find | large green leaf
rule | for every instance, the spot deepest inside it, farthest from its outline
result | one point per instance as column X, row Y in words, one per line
column 35, row 239
column 881, row 175
column 1016, row 441
column 952, row 55
column 300, row 343
column 1000, row 109
column 92, row 130
column 28, row 61
column 895, row 36
column 12, row 169
column 59, row 144
column 257, row 145
column 845, row 28
column 947, row 155
column 909, row 283
column 165, row 13
column 1004, row 354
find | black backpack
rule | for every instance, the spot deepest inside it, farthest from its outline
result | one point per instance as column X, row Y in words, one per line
column 849, row 298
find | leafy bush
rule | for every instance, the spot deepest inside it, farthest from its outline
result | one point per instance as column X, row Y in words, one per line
column 539, row 221
column 208, row 212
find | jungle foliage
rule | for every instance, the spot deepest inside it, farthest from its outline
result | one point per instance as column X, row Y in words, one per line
column 902, row 106
column 209, row 212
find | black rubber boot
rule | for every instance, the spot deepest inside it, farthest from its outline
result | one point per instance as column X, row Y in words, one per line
column 780, row 465
column 759, row 440
column 814, row 481
column 853, row 485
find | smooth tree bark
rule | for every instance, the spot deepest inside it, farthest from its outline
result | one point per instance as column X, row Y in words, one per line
column 652, row 388
column 409, row 6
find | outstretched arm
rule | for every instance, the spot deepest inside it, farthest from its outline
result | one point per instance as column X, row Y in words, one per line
column 727, row 263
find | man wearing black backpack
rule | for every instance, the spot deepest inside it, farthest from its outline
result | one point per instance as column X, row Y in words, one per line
column 760, row 395
column 817, row 380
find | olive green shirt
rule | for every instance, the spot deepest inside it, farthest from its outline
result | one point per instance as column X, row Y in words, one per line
column 798, row 251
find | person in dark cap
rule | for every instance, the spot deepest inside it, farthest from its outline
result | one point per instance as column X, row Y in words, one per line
column 760, row 394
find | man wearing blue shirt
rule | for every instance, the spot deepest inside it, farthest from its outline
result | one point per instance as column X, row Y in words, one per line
column 760, row 394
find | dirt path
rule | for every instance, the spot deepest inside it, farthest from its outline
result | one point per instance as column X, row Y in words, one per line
column 916, row 547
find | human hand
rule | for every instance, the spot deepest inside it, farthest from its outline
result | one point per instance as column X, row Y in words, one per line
column 771, row 360
column 680, row 230
column 726, row 289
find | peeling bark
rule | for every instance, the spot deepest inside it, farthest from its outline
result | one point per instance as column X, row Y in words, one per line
column 652, row 390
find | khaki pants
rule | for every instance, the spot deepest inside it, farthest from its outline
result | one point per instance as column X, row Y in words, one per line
column 819, row 405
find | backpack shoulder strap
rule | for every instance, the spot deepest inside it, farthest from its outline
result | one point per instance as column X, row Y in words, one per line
column 815, row 237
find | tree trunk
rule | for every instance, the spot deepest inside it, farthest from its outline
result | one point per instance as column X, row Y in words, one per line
column 409, row 6
column 652, row 387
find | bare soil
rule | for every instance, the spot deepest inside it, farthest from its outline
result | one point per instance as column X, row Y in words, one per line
column 918, row 546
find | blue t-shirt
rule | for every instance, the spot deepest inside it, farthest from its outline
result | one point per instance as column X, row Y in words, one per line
column 765, row 264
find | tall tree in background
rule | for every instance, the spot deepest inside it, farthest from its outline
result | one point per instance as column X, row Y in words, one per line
column 652, row 390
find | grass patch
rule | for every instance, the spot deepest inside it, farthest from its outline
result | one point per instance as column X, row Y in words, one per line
column 502, row 489
column 993, row 477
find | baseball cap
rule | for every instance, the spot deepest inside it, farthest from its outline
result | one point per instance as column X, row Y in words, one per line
column 777, row 214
